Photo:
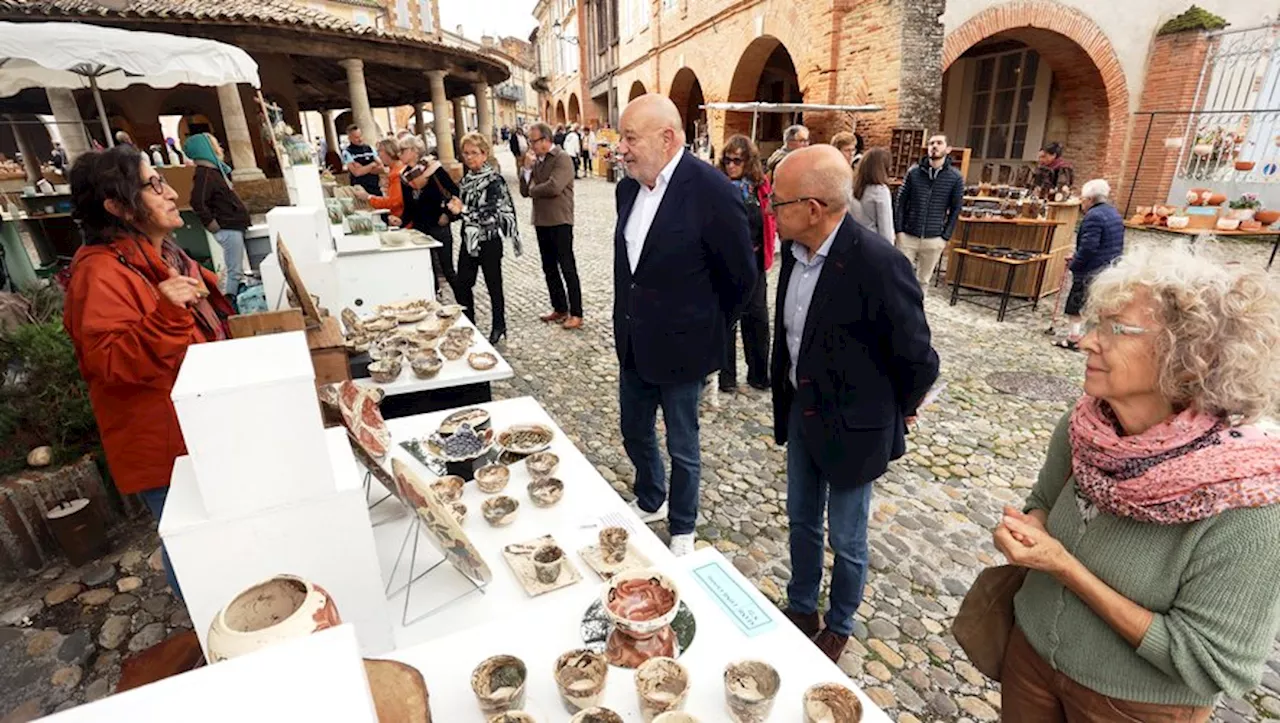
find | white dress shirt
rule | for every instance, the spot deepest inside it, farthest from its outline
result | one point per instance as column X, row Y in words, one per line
column 644, row 209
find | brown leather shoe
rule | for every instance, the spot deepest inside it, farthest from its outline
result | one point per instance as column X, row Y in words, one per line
column 554, row 317
column 830, row 644
column 573, row 322
column 808, row 623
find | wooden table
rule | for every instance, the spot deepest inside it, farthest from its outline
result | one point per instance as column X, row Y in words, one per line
column 1037, row 235
column 1011, row 267
column 1198, row 234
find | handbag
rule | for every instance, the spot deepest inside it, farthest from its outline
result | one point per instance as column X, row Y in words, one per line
column 985, row 620
column 445, row 219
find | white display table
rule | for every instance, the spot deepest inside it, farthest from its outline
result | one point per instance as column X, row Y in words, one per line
column 454, row 373
column 539, row 636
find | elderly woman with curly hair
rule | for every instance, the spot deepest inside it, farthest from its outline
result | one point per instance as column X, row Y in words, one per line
column 1153, row 533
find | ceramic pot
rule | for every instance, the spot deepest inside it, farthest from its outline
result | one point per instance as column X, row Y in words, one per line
column 547, row 562
column 662, row 685
column 541, row 464
column 613, row 544
column 750, row 687
column 596, row 715
column 1202, row 149
column 1198, row 196
column 277, row 609
column 1244, row 166
column 1227, row 224
column 580, row 678
column 545, row 492
column 1216, row 199
column 498, row 683
column 1242, row 214
column 499, row 511
column 1178, row 221
column 831, row 703
column 1266, row 216
column 633, row 584
column 492, row 478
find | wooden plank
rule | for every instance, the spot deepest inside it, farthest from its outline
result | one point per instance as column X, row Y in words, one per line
column 294, row 282
column 266, row 322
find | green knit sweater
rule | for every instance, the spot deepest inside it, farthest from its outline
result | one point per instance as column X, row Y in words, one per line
column 1213, row 585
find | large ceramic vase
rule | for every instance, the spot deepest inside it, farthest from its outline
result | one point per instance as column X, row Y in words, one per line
column 277, row 609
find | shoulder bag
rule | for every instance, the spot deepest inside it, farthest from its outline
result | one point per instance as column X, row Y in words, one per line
column 985, row 620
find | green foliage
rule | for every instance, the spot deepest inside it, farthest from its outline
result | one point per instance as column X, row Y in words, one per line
column 43, row 399
column 1195, row 18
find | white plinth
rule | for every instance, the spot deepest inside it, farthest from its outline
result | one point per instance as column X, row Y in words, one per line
column 305, row 230
column 345, row 242
column 327, row 540
column 317, row 678
column 383, row 276
column 303, row 185
column 321, row 279
column 252, row 424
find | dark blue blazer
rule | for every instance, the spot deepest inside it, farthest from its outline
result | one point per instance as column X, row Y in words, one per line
column 696, row 271
column 866, row 360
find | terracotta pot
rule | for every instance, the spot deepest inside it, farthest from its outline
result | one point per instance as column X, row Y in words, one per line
column 1266, row 216
column 1202, row 149
column 1198, row 196
column 1216, row 199
column 277, row 609
column 1244, row 165
column 1241, row 214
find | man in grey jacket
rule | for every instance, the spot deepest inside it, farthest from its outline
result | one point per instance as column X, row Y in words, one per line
column 547, row 177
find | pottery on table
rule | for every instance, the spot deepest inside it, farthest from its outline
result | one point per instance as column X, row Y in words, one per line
column 385, row 371
column 831, row 703
column 474, row 417
column 280, row 608
column 492, row 478
column 482, row 361
column 449, row 311
column 1198, row 196
column 1216, row 199
column 580, row 677
column 499, row 511
column 662, row 685
column 459, row 511
column 386, row 352
column 750, row 687
column 546, row 491
column 448, row 488
column 1266, row 216
column 513, row 716
column 547, row 562
column 498, row 683
column 426, row 365
column 1228, row 224
column 613, row 544
column 541, row 464
column 462, row 333
column 453, row 349
column 399, row 692
column 641, row 602
column 596, row 715
column 1178, row 221
column 1242, row 214
column 1250, row 226
column 676, row 716
column 431, row 326
column 1244, row 166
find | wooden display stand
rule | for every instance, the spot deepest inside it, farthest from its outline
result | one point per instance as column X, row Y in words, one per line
column 1064, row 241
column 1024, row 234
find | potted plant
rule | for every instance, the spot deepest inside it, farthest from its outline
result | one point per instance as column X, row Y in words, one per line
column 1244, row 207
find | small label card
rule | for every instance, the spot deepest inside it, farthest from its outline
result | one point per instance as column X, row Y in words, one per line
column 733, row 599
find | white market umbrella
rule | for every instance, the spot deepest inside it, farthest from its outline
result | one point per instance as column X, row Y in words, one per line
column 79, row 55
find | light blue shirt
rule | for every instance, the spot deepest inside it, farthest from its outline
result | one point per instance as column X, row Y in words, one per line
column 804, row 278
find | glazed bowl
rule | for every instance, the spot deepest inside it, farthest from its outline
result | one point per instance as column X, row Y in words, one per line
column 462, row 333
column 482, row 361
column 500, row 511
column 492, row 478
column 453, row 349
column 654, row 601
column 831, row 703
column 596, row 715
column 545, row 491
column 498, row 683
column 1228, row 224
column 448, row 488
column 427, row 365
column 383, row 351
column 541, row 464
column 449, row 311
column 385, row 371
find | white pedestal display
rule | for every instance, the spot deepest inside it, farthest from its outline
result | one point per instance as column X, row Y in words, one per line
column 317, row 678
column 305, row 229
column 303, row 185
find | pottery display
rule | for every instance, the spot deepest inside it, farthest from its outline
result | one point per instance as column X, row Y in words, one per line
column 431, row 326
column 513, row 716
column 426, row 365
column 443, row 530
column 831, row 703
column 525, row 438
column 1216, row 199
column 465, row 334
column 459, row 511
column 500, row 511
column 386, row 352
column 547, row 561
column 280, row 608
column 606, row 568
column 596, row 715
column 448, row 488
column 1228, row 224
column 399, row 692
column 546, row 491
column 662, row 685
column 536, row 577
column 1198, row 196
column 676, row 716
column 492, row 478
column 1242, row 214
column 498, row 683
column 625, row 651
column 476, row 418
column 750, row 687
column 379, row 323
column 613, row 544
column 361, row 415
column 1244, row 166
column 385, row 371
column 464, row 444
column 541, row 464
column 482, row 361
column 449, row 311
column 1178, row 221
column 1266, row 216
column 1250, row 225
column 452, row 349
column 580, row 677
column 641, row 604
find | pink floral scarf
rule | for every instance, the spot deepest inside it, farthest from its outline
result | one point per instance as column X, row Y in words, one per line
column 1189, row 467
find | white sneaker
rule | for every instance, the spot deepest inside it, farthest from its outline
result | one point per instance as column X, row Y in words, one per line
column 682, row 545
column 657, row 515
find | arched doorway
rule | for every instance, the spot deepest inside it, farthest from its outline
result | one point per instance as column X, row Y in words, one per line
column 575, row 111
column 560, row 115
column 637, row 90
column 1031, row 74
column 686, row 93
column 546, row 113
column 765, row 72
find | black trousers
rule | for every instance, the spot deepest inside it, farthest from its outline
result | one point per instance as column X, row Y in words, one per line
column 555, row 244
column 755, row 341
column 577, row 162
column 489, row 261
column 442, row 258
column 586, row 163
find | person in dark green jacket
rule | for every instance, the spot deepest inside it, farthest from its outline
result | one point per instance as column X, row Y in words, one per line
column 1153, row 533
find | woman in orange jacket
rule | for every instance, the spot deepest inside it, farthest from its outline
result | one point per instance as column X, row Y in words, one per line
column 135, row 303
column 392, row 155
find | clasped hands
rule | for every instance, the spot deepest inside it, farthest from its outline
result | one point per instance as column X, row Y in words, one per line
column 1025, row 542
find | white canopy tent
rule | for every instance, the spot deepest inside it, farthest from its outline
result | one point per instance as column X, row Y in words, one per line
column 755, row 108
column 77, row 55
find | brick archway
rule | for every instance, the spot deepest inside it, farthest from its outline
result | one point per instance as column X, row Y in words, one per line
column 1081, row 55
column 765, row 61
column 686, row 92
column 637, row 90
column 574, row 109
column 560, row 114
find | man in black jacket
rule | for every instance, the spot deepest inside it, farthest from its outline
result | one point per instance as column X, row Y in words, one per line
column 928, row 207
column 852, row 360
column 683, row 268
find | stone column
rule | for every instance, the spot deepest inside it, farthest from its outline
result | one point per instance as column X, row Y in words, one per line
column 419, row 125
column 65, row 111
column 484, row 115
column 30, row 163
column 440, row 113
column 459, row 118
column 239, row 142
column 330, row 132
column 361, row 111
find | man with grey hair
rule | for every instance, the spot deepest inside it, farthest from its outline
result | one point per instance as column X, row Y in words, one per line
column 1099, row 241
column 547, row 178
column 793, row 138
column 852, row 360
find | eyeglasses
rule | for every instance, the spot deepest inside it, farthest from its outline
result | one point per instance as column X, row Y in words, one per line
column 158, row 184
column 535, row 140
column 731, row 161
column 774, row 202
column 1108, row 330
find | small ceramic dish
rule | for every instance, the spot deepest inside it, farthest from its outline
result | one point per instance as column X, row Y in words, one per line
column 385, row 371
column 449, row 488
column 380, row 324
column 492, row 478
column 545, row 492
column 500, row 511
column 452, row 349
column 831, row 703
column 459, row 512
column 474, row 417
column 482, row 361
column 596, row 715
column 449, row 311
column 541, row 464
column 385, row 352
column 426, row 366
column 463, row 333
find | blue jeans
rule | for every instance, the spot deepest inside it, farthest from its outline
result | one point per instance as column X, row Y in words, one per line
column 808, row 493
column 232, row 243
column 640, row 401
column 154, row 499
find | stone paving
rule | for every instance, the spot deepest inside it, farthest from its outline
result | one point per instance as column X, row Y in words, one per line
column 975, row 450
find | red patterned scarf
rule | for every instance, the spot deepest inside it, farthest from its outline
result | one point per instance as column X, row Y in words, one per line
column 1187, row 468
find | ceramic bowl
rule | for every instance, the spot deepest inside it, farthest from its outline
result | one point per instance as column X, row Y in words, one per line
column 1178, row 221
column 580, row 677
column 498, row 683
column 449, row 488
column 449, row 311
column 1228, row 224
column 385, row 352
column 662, row 685
column 513, row 716
column 541, row 464
column 500, row 511
column 632, row 578
column 750, row 687
column 492, row 478
column 426, row 366
column 596, row 715
column 546, row 491
column 459, row 512
column 831, row 703
column 453, row 349
column 482, row 361
column 676, row 716
column 385, row 371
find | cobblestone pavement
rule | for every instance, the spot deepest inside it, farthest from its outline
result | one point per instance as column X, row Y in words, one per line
column 62, row 635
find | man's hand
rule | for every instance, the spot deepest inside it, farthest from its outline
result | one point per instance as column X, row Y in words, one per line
column 530, row 158
column 394, row 221
column 180, row 290
column 361, row 193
